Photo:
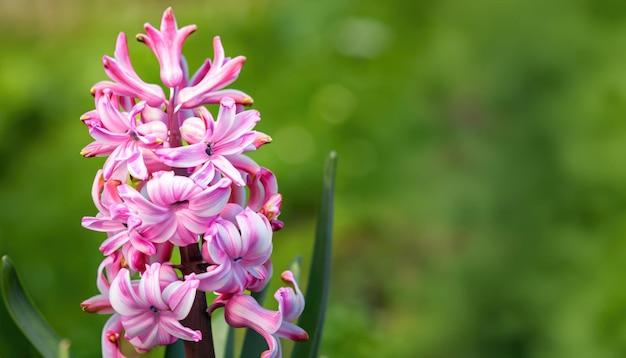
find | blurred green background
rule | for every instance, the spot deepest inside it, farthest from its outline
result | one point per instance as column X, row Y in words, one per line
column 481, row 192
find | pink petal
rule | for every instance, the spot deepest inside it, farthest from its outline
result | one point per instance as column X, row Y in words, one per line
column 149, row 212
column 97, row 149
column 140, row 324
column 221, row 74
column 235, row 146
column 212, row 200
column 150, row 288
column 290, row 301
column 102, row 224
column 141, row 244
column 183, row 237
column 129, row 84
column 111, row 337
column 256, row 234
column 113, row 243
column 216, row 277
column 167, row 46
column 225, row 119
column 215, row 97
column 225, row 167
column 97, row 304
column 173, row 327
column 122, row 295
column 184, row 157
column 244, row 311
column 245, row 122
column 204, row 174
column 136, row 166
column 293, row 332
column 180, row 296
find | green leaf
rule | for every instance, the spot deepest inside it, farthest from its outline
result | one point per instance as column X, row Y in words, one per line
column 253, row 343
column 175, row 350
column 312, row 318
column 26, row 316
column 229, row 349
column 223, row 335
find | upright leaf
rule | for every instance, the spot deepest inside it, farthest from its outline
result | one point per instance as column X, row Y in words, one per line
column 229, row 346
column 26, row 316
column 312, row 319
column 175, row 350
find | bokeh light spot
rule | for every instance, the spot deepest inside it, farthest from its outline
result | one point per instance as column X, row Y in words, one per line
column 362, row 37
column 334, row 102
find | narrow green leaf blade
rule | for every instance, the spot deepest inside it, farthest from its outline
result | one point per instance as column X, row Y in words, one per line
column 312, row 318
column 229, row 349
column 175, row 350
column 26, row 316
column 253, row 343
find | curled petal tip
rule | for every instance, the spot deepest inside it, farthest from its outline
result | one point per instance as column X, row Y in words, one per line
column 261, row 139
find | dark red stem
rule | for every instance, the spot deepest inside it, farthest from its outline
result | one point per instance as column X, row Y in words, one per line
column 198, row 318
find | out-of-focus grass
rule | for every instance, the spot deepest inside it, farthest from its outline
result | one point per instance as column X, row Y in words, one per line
column 480, row 189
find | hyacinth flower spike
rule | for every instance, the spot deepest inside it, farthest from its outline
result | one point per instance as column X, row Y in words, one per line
column 178, row 178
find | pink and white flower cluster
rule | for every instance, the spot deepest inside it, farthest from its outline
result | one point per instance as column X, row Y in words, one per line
column 178, row 177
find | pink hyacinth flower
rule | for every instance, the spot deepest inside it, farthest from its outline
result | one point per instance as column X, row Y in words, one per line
column 110, row 340
column 240, row 248
column 219, row 73
column 120, row 132
column 113, row 214
column 231, row 134
column 167, row 45
column 150, row 308
column 127, row 82
column 241, row 310
column 176, row 207
column 107, row 271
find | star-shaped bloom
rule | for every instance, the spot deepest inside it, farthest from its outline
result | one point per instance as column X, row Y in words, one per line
column 230, row 134
column 206, row 85
column 239, row 247
column 151, row 308
column 119, row 135
column 167, row 45
column 241, row 310
column 176, row 207
column 126, row 81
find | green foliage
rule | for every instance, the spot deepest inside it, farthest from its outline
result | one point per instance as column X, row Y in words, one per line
column 175, row 350
column 314, row 314
column 26, row 316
